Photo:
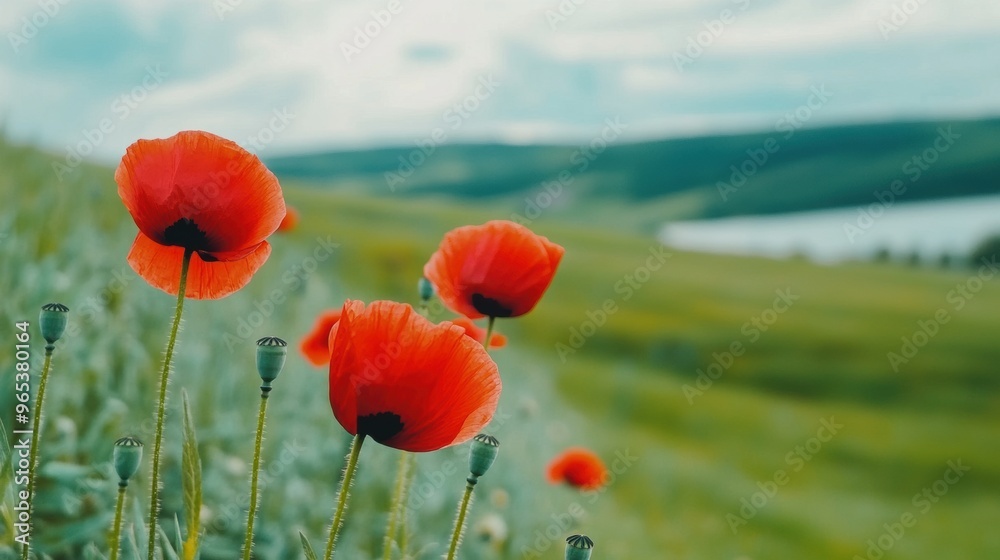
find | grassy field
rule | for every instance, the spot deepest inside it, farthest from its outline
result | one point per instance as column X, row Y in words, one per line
column 749, row 408
column 788, row 169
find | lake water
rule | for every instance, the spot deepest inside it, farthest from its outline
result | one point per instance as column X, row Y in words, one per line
column 931, row 228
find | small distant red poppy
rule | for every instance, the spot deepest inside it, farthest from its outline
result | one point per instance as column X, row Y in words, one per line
column 498, row 269
column 290, row 221
column 406, row 382
column 578, row 467
column 200, row 192
column 315, row 346
column 478, row 333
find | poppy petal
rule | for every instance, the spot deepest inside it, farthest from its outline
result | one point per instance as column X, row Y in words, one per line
column 578, row 467
column 498, row 269
column 462, row 409
column 420, row 386
column 222, row 195
column 160, row 266
column 478, row 334
column 290, row 221
column 315, row 346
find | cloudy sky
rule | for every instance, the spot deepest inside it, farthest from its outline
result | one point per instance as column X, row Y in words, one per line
column 313, row 74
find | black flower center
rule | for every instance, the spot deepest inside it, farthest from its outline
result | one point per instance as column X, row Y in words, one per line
column 185, row 233
column 490, row 307
column 380, row 426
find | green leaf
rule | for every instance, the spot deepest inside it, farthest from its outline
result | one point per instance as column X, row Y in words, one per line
column 191, row 483
column 6, row 475
column 168, row 548
column 178, row 539
column 132, row 529
column 90, row 552
column 6, row 466
column 307, row 548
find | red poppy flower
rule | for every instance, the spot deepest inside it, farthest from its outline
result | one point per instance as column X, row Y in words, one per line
column 478, row 333
column 290, row 221
column 197, row 191
column 406, row 382
column 498, row 269
column 578, row 467
column 316, row 344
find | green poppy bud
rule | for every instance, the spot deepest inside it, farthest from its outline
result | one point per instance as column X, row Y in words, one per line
column 425, row 288
column 483, row 453
column 52, row 320
column 271, row 352
column 579, row 547
column 127, row 456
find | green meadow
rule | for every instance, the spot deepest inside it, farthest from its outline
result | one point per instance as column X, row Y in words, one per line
column 748, row 408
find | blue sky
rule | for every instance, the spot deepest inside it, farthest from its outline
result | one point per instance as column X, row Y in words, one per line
column 299, row 75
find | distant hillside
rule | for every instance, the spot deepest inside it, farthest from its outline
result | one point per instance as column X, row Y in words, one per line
column 784, row 170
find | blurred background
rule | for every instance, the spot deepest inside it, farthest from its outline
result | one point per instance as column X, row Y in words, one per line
column 775, row 320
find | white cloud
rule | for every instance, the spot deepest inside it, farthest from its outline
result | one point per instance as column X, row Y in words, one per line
column 609, row 57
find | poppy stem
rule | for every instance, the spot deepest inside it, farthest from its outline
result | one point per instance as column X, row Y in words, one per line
column 248, row 540
column 345, row 487
column 397, row 513
column 456, row 535
column 404, row 528
column 36, row 427
column 489, row 333
column 154, row 492
column 116, row 530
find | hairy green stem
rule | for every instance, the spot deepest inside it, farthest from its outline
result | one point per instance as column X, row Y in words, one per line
column 456, row 535
column 248, row 540
column 404, row 525
column 345, row 488
column 36, row 428
column 116, row 531
column 154, row 488
column 396, row 512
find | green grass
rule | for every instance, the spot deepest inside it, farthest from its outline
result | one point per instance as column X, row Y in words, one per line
column 621, row 393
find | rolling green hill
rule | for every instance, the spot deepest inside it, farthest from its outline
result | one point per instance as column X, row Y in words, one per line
column 693, row 424
column 779, row 171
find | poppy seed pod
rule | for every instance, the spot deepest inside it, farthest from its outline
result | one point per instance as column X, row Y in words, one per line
column 425, row 288
column 579, row 547
column 52, row 321
column 271, row 352
column 483, row 453
column 127, row 456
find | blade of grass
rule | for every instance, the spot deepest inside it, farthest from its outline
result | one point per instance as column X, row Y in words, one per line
column 307, row 548
column 191, row 483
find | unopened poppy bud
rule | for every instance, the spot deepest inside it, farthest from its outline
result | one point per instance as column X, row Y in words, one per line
column 52, row 321
column 271, row 352
column 579, row 547
column 484, row 452
column 127, row 456
column 425, row 288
